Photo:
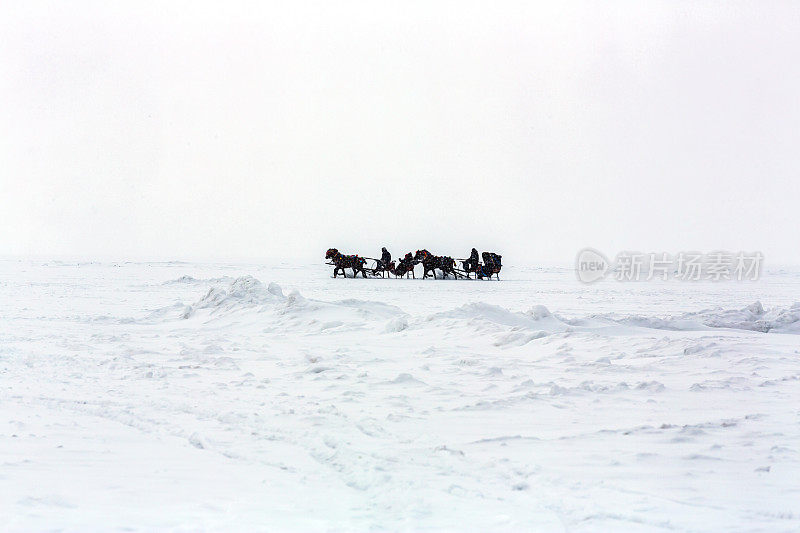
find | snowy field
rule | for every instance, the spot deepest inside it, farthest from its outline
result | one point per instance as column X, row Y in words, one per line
column 272, row 397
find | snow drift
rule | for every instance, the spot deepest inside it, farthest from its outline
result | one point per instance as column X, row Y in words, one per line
column 752, row 318
column 248, row 299
column 249, row 295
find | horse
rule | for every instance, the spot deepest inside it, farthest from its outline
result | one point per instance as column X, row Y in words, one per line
column 431, row 262
column 340, row 262
column 448, row 266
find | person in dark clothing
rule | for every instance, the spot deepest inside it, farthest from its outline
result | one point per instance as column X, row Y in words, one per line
column 386, row 257
column 471, row 264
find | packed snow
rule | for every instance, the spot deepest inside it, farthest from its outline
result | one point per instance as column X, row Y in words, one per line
column 271, row 397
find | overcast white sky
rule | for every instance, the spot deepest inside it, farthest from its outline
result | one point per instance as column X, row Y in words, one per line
column 188, row 130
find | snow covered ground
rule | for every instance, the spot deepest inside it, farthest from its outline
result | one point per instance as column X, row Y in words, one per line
column 238, row 397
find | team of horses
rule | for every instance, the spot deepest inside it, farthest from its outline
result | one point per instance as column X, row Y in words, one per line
column 405, row 266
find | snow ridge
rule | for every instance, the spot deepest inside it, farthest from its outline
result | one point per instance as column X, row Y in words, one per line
column 248, row 293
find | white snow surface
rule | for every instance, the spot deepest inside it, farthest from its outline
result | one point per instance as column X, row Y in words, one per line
column 181, row 396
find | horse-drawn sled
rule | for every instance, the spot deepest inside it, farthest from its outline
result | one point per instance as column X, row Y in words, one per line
column 446, row 265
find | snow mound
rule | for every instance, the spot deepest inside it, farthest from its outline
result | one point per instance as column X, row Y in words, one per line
column 538, row 312
column 241, row 293
column 478, row 313
column 396, row 324
column 751, row 318
column 755, row 318
column 486, row 317
column 248, row 299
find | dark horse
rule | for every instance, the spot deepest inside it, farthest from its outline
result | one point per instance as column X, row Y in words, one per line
column 340, row 262
column 431, row 262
